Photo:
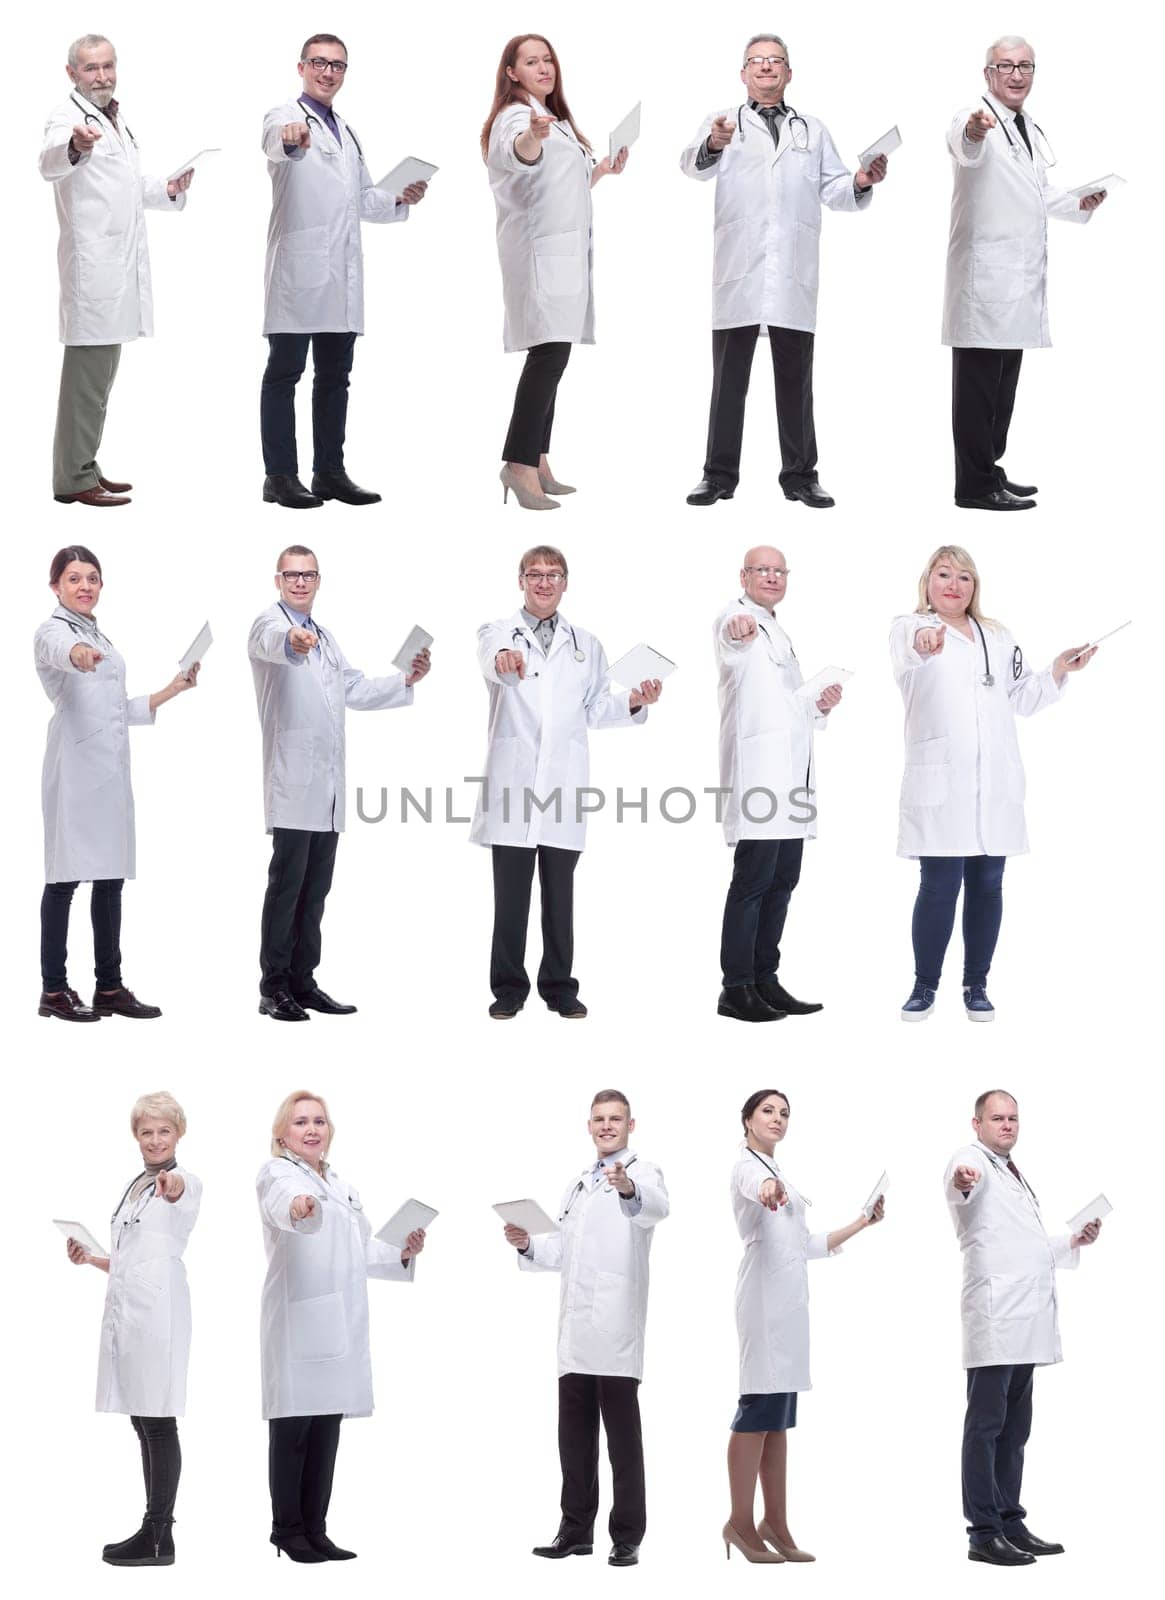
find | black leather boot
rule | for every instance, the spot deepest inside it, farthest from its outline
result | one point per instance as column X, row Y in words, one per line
column 743, row 1002
column 151, row 1546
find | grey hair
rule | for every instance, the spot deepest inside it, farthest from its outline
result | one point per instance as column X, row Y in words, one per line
column 162, row 1105
column 756, row 39
column 87, row 41
column 1009, row 41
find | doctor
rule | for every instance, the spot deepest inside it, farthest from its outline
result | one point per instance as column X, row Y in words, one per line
column 317, row 1368
column 541, row 171
column 774, row 169
column 964, row 680
column 548, row 686
column 1010, row 1325
column 145, row 1330
column 995, row 305
column 601, row 1249
column 772, row 1324
column 85, row 788
column 91, row 159
column 766, row 762
column 303, row 683
column 314, row 278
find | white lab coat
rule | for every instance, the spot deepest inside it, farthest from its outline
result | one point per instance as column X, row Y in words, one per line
column 772, row 1285
column 301, row 702
column 768, row 219
column 102, row 255
column 1009, row 1266
column 85, row 785
column 314, row 277
column 997, row 255
column 766, row 731
column 538, row 734
column 601, row 1250
column 313, row 1328
column 963, row 787
column 145, row 1329
column 543, row 233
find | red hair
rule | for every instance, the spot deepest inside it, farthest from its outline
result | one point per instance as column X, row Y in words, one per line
column 508, row 93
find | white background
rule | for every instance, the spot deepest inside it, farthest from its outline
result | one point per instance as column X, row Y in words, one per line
column 456, row 1476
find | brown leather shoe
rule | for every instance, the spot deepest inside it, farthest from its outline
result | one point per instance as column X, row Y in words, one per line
column 68, row 1006
column 91, row 497
column 123, row 1003
column 114, row 488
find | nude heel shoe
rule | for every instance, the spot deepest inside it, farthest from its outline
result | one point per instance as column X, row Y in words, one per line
column 527, row 501
column 731, row 1537
column 550, row 485
column 789, row 1552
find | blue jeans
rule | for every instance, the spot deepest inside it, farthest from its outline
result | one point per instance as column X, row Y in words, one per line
column 981, row 880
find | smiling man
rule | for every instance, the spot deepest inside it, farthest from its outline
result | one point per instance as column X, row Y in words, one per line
column 1010, row 1325
column 601, row 1248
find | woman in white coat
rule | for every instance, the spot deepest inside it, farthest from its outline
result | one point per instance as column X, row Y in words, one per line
column 541, row 170
column 317, row 1368
column 85, row 787
column 145, row 1331
column 963, row 680
column 772, row 1322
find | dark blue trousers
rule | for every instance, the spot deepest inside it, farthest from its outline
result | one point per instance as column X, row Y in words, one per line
column 981, row 880
column 997, row 1425
column 764, row 874
column 332, row 358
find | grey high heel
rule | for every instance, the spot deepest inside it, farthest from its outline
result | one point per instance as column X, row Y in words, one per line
column 527, row 501
column 550, row 485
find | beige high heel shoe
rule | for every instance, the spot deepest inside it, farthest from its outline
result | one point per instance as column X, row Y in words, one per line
column 731, row 1537
column 527, row 501
column 789, row 1552
column 550, row 485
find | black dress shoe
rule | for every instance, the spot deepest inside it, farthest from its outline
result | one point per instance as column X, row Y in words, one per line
column 339, row 486
column 562, row 1547
column 708, row 491
column 1023, row 490
column 503, row 1010
column 283, row 1007
column 296, row 1546
column 317, row 1000
column 286, row 490
column 772, row 993
column 122, row 1004
column 1000, row 1552
column 623, row 1555
column 996, row 500
column 67, row 1005
column 330, row 1551
column 741, row 1000
column 567, row 1005
column 811, row 494
column 1023, row 1540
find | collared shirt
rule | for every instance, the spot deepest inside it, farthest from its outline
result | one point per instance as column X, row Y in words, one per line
column 541, row 627
column 109, row 111
column 632, row 1201
column 299, row 619
column 773, row 118
column 325, row 113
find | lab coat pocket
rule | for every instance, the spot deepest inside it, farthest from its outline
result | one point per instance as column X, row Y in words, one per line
column 610, row 1302
column 86, row 727
column 558, row 264
column 304, row 260
column 1012, row 1298
column 806, row 252
column 927, row 779
column 101, row 268
column 997, row 271
column 317, row 1328
column 293, row 759
column 730, row 251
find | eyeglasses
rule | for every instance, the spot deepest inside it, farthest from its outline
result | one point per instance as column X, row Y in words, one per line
column 765, row 61
column 555, row 578
column 1008, row 67
column 769, row 572
column 294, row 577
column 322, row 64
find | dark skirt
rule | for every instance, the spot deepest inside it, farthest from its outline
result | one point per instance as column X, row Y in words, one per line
column 765, row 1413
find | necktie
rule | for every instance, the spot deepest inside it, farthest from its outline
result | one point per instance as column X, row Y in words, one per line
column 1022, row 126
column 1014, row 1170
column 111, row 111
column 772, row 119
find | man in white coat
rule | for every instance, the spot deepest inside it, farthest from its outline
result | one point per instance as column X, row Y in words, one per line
column 996, row 305
column 601, row 1249
column 1010, row 1325
column 548, row 686
column 766, row 773
column 303, row 684
column 774, row 170
column 91, row 159
column 321, row 192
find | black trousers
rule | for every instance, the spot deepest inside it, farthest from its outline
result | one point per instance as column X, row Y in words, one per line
column 161, row 1463
column 982, row 400
column 533, row 415
column 513, row 872
column 997, row 1425
column 582, row 1400
column 732, row 353
column 301, row 1458
column 298, row 881
column 332, row 359
column 764, row 874
column 105, row 915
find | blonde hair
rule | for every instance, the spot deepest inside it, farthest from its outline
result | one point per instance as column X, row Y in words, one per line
column 958, row 557
column 285, row 1113
column 159, row 1104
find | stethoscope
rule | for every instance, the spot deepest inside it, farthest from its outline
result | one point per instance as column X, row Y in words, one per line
column 77, row 624
column 1001, row 1167
column 142, row 1200
column 1040, row 142
column 988, row 677
column 581, row 1187
column 348, row 1197
column 325, row 645
column 331, row 145
column 768, row 635
column 99, row 122
column 798, row 139
column 774, row 1172
column 521, row 636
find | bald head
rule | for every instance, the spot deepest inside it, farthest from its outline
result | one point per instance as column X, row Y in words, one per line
column 763, row 576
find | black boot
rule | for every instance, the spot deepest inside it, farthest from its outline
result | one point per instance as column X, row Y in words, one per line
column 112, row 1549
column 321, row 1542
column 742, row 1001
column 151, row 1546
column 296, row 1546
